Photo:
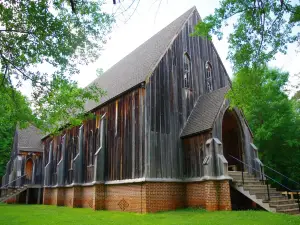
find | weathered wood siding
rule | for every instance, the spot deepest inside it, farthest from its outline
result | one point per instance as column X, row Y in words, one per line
column 168, row 103
column 125, row 142
column 194, row 154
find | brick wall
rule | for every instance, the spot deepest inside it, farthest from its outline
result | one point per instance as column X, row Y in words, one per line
column 69, row 197
column 164, row 196
column 60, row 196
column 125, row 197
column 210, row 195
column 87, row 197
column 99, row 197
column 77, row 196
column 49, row 196
column 143, row 197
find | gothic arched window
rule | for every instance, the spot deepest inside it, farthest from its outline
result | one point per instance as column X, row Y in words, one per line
column 186, row 70
column 208, row 77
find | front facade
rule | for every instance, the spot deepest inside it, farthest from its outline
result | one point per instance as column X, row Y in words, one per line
column 163, row 137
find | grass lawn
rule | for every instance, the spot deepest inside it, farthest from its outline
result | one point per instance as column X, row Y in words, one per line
column 44, row 215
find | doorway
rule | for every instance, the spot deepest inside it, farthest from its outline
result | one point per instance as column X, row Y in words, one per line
column 29, row 170
column 232, row 140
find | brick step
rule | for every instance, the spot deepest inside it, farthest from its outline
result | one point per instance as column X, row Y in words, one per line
column 290, row 211
column 284, row 207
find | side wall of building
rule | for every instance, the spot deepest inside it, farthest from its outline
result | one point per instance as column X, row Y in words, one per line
column 124, row 142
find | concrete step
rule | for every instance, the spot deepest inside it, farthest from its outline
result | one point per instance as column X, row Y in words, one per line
column 290, row 211
column 255, row 186
column 265, row 195
column 259, row 188
column 284, row 207
column 236, row 174
column 245, row 178
column 280, row 202
column 247, row 182
column 262, row 190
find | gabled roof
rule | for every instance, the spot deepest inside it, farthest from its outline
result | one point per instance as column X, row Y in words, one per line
column 139, row 64
column 29, row 139
column 205, row 112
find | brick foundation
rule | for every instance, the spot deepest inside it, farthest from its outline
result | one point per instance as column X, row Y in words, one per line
column 128, row 197
column 164, row 196
column 210, row 195
column 143, row 197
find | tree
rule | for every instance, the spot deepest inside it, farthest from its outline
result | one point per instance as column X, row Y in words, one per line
column 14, row 110
column 272, row 116
column 261, row 28
column 36, row 34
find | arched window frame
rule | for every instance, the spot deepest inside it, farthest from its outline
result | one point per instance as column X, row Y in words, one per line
column 186, row 70
column 70, row 152
column 91, row 149
column 54, row 155
column 208, row 76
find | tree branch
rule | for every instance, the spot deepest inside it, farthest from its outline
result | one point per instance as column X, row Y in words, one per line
column 17, row 31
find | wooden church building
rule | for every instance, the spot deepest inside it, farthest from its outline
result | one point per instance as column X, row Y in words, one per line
column 163, row 137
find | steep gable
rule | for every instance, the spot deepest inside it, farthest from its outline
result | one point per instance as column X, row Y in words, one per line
column 29, row 139
column 135, row 67
column 205, row 112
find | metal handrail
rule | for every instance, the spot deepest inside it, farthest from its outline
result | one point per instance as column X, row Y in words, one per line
column 268, row 183
column 13, row 181
column 282, row 175
column 264, row 175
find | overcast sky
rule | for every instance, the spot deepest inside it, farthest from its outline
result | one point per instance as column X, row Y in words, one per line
column 149, row 17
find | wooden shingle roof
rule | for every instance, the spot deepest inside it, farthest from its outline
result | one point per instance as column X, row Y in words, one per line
column 139, row 64
column 29, row 139
column 205, row 112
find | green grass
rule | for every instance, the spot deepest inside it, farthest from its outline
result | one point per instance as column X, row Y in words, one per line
column 44, row 215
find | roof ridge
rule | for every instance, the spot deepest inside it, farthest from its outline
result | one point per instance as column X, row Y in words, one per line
column 173, row 39
column 191, row 9
column 136, row 67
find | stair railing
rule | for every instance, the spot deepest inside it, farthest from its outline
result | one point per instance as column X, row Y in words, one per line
column 266, row 178
column 13, row 181
column 295, row 182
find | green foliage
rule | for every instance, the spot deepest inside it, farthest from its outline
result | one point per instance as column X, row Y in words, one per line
column 261, row 28
column 36, row 34
column 273, row 117
column 14, row 109
column 64, row 104
column 39, row 34
column 37, row 214
column 99, row 72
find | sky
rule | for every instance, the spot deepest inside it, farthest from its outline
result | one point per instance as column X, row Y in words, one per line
column 142, row 21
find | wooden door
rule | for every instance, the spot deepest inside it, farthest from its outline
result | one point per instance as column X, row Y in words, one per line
column 29, row 169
